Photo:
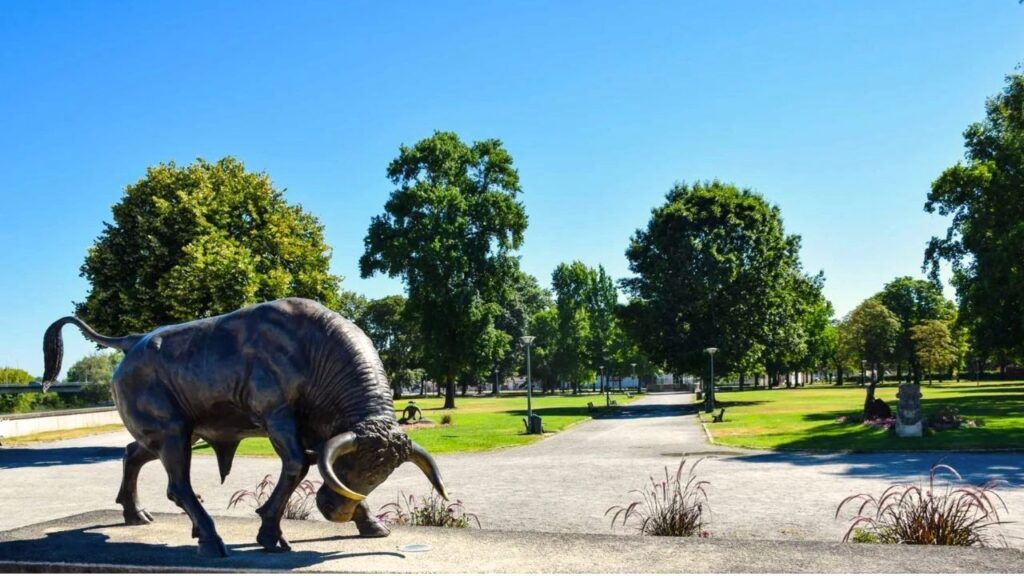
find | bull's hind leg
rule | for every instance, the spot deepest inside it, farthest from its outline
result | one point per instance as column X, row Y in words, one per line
column 135, row 456
column 284, row 436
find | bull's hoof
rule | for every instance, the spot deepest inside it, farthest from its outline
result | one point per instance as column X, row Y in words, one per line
column 213, row 548
column 272, row 541
column 137, row 517
column 372, row 529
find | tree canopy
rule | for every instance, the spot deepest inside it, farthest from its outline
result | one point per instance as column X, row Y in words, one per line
column 9, row 375
column 985, row 239
column 714, row 267
column 913, row 302
column 95, row 368
column 448, row 230
column 201, row 240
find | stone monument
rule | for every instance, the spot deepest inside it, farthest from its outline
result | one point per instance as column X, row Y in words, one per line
column 909, row 422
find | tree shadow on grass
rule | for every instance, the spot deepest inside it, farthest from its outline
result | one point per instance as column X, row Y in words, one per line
column 89, row 545
column 42, row 457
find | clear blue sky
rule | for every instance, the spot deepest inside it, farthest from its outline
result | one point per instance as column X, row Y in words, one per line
column 842, row 113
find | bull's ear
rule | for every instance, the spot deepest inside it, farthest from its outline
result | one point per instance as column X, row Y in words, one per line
column 421, row 458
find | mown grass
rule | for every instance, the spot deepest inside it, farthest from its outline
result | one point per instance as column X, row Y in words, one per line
column 54, row 435
column 807, row 418
column 478, row 423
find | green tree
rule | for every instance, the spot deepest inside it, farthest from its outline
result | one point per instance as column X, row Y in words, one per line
column 9, row 375
column 934, row 346
column 873, row 331
column 393, row 333
column 572, row 358
column 201, row 240
column 521, row 298
column 709, row 268
column 97, row 368
column 600, row 302
column 913, row 302
column 985, row 239
column 544, row 326
column 448, row 230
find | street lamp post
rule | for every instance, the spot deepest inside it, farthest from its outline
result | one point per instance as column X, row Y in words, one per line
column 977, row 371
column 710, row 396
column 527, row 340
column 604, row 387
column 495, row 380
column 635, row 379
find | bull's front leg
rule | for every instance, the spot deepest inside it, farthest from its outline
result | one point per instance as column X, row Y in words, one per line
column 283, row 435
column 369, row 527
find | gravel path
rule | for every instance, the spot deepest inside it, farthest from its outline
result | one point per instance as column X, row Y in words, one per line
column 561, row 484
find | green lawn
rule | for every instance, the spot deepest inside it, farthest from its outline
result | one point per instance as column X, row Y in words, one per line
column 806, row 418
column 478, row 423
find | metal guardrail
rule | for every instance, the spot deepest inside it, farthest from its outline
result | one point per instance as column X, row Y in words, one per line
column 66, row 388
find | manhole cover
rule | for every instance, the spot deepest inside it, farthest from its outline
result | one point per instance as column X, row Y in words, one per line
column 414, row 548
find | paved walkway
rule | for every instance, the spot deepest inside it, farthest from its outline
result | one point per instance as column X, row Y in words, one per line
column 561, row 484
column 100, row 538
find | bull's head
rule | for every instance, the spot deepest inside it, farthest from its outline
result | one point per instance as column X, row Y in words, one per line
column 354, row 463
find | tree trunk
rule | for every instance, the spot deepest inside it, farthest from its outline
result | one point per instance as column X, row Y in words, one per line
column 449, row 393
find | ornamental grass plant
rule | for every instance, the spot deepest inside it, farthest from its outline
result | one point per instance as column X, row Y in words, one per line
column 431, row 510
column 956, row 515
column 675, row 506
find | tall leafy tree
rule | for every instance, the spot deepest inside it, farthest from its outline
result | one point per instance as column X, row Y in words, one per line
column 601, row 299
column 873, row 331
column 985, row 239
column 572, row 284
column 200, row 240
column 448, row 230
column 913, row 302
column 934, row 346
column 521, row 298
column 393, row 333
column 708, row 270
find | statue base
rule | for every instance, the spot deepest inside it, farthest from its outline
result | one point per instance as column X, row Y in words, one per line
column 909, row 430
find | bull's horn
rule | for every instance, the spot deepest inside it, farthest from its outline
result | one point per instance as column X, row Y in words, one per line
column 333, row 449
column 425, row 462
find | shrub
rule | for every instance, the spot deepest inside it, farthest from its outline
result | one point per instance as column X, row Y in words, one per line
column 429, row 511
column 909, row 514
column 300, row 503
column 947, row 418
column 673, row 507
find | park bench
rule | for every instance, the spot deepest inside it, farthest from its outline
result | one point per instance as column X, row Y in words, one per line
column 718, row 417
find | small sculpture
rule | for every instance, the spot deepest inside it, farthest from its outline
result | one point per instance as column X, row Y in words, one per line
column 411, row 413
column 291, row 370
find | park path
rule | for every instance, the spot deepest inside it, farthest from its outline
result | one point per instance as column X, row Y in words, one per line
column 563, row 483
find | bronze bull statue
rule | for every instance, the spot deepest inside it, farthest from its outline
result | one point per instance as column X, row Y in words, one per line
column 291, row 370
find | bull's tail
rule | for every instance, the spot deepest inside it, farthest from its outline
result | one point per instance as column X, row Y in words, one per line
column 53, row 344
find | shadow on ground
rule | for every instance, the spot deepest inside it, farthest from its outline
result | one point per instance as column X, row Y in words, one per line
column 42, row 457
column 87, row 545
column 643, row 411
column 905, row 466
